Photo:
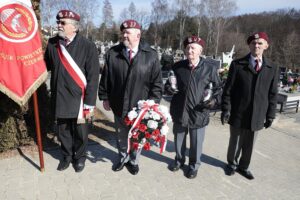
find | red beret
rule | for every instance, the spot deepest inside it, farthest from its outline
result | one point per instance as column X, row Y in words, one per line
column 67, row 14
column 130, row 24
column 258, row 35
column 193, row 39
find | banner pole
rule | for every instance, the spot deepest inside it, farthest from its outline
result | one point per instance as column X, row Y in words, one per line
column 38, row 131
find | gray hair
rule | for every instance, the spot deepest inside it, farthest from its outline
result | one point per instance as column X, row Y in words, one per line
column 76, row 24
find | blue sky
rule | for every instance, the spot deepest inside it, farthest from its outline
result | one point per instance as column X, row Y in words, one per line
column 244, row 6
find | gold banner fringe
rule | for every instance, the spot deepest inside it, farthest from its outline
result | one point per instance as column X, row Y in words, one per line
column 23, row 100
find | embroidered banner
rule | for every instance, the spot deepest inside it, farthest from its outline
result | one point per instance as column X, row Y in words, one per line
column 22, row 67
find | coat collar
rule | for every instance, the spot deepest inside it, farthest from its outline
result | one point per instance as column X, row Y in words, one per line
column 143, row 46
column 187, row 63
column 245, row 61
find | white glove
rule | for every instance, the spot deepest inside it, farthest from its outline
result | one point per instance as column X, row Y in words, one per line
column 88, row 107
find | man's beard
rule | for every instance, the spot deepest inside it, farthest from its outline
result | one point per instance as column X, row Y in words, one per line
column 126, row 43
column 61, row 34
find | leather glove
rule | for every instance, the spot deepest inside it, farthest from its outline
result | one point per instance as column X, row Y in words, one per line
column 268, row 122
column 225, row 117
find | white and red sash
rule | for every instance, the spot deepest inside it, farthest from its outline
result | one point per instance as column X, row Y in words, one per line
column 76, row 74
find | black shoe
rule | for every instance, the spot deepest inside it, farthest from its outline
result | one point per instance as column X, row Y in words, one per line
column 175, row 167
column 229, row 171
column 246, row 173
column 133, row 169
column 191, row 174
column 63, row 164
column 79, row 166
column 118, row 167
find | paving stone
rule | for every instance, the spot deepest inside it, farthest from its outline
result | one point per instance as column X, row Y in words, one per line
column 275, row 165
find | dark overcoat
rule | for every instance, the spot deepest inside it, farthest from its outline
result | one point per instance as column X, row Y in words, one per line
column 124, row 83
column 65, row 93
column 250, row 96
column 186, row 105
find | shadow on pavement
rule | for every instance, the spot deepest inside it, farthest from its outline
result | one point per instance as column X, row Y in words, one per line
column 28, row 159
column 212, row 161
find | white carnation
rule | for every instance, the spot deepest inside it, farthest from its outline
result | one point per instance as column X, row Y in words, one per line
column 150, row 102
column 132, row 115
column 147, row 115
column 155, row 116
column 164, row 130
column 141, row 104
column 152, row 124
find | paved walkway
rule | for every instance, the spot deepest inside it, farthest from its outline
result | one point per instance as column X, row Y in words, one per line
column 275, row 165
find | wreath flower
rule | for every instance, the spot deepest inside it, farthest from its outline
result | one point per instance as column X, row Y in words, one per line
column 148, row 124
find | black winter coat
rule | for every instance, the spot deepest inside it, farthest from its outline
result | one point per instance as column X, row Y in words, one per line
column 65, row 93
column 185, row 107
column 124, row 84
column 250, row 97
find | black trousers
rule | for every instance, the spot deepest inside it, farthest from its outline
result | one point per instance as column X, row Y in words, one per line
column 240, row 148
column 73, row 138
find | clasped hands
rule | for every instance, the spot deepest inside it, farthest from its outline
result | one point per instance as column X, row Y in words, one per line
column 210, row 104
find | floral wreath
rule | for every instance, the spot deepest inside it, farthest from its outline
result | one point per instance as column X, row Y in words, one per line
column 148, row 123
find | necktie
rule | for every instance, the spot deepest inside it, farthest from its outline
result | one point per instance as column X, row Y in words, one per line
column 257, row 68
column 192, row 66
column 67, row 41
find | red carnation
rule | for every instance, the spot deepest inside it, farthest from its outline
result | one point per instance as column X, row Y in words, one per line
column 147, row 146
column 135, row 145
column 157, row 139
column 142, row 127
column 136, row 135
column 156, row 132
column 147, row 135
column 127, row 121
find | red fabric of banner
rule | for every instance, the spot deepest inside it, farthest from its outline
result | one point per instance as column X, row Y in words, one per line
column 22, row 67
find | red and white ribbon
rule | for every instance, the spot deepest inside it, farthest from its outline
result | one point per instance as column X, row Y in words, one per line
column 76, row 73
column 145, row 108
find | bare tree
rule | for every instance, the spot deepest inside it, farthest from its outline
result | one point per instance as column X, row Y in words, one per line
column 107, row 15
column 159, row 14
column 217, row 13
column 48, row 10
column 123, row 15
column 183, row 8
column 291, row 50
column 85, row 8
column 143, row 18
column 199, row 15
column 132, row 10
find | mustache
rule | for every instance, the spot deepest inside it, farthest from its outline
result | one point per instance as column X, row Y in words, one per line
column 61, row 33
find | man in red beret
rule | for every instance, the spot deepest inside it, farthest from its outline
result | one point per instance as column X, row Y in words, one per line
column 132, row 73
column 249, row 102
column 191, row 103
column 74, row 66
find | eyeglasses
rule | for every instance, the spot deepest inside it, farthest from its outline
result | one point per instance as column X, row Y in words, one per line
column 62, row 23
